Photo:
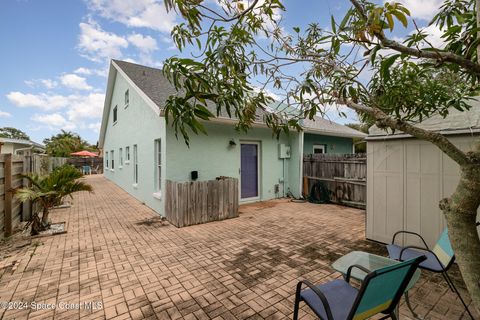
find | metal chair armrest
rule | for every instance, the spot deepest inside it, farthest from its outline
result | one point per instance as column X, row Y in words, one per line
column 349, row 271
column 420, row 248
column 320, row 295
column 410, row 232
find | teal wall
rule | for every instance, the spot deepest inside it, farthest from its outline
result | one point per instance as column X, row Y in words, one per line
column 334, row 144
column 212, row 156
column 136, row 124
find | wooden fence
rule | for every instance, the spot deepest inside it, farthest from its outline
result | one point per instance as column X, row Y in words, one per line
column 189, row 203
column 344, row 175
column 12, row 212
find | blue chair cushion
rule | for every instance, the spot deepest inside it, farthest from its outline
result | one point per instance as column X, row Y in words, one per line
column 431, row 263
column 340, row 296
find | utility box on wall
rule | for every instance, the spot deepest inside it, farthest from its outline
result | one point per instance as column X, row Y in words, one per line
column 283, row 151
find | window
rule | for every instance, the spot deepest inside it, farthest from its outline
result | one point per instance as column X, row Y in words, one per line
column 120, row 154
column 319, row 148
column 127, row 98
column 127, row 154
column 112, row 160
column 106, row 159
column 115, row 113
column 158, row 165
column 135, row 164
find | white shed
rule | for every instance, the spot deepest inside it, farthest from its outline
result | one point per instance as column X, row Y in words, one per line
column 407, row 177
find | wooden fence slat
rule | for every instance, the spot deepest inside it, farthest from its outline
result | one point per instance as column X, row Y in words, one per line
column 7, row 222
column 344, row 175
column 196, row 202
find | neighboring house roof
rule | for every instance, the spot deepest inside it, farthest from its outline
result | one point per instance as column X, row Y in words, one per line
column 456, row 122
column 323, row 126
column 21, row 141
column 152, row 85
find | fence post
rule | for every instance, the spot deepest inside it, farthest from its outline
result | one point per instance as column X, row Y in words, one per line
column 8, row 195
column 27, row 205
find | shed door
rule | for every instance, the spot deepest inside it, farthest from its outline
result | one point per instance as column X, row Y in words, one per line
column 249, row 170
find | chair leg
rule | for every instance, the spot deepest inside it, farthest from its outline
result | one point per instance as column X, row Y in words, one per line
column 458, row 294
column 297, row 302
column 447, row 280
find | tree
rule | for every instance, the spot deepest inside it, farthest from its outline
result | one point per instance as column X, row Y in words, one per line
column 64, row 143
column 13, row 133
column 240, row 44
column 49, row 191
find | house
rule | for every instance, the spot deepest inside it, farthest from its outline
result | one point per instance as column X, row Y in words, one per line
column 20, row 146
column 407, row 177
column 141, row 151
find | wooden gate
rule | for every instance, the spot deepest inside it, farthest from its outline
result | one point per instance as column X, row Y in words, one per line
column 344, row 175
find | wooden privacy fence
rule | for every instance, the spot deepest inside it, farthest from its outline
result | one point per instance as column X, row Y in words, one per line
column 344, row 175
column 189, row 203
column 12, row 212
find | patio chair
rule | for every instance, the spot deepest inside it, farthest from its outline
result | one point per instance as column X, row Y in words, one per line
column 338, row 300
column 439, row 259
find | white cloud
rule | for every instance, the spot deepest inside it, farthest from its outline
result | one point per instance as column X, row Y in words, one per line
column 42, row 101
column 434, row 36
column 54, row 121
column 95, row 126
column 97, row 44
column 422, row 9
column 136, row 13
column 4, row 114
column 89, row 106
column 72, row 81
column 89, row 72
column 143, row 43
column 76, row 107
column 47, row 83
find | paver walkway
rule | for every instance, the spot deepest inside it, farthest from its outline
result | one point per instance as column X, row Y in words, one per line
column 118, row 261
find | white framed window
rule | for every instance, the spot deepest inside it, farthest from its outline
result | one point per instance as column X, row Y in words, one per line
column 120, row 154
column 115, row 115
column 158, row 165
column 112, row 160
column 135, row 164
column 127, row 98
column 319, row 148
column 106, row 159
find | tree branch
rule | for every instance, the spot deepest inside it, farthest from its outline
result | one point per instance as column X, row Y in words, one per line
column 383, row 120
column 468, row 65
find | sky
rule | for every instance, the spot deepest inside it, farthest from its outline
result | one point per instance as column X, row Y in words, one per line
column 55, row 54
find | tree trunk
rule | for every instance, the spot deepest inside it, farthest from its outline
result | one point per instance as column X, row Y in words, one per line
column 36, row 225
column 461, row 213
column 45, row 223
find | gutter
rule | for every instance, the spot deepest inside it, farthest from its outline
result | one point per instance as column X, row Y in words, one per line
column 408, row 136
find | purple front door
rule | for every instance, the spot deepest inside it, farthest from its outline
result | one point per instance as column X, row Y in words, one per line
column 249, row 170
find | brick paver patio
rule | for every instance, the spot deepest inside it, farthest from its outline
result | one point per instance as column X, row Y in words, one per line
column 118, row 253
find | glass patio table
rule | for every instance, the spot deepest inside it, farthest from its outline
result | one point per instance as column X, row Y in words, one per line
column 371, row 262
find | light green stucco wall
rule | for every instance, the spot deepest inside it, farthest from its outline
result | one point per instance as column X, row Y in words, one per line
column 136, row 124
column 212, row 156
column 334, row 144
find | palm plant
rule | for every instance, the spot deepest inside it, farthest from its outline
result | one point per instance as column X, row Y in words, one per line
column 49, row 190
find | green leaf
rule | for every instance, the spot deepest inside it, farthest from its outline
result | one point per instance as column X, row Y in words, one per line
column 401, row 17
column 386, row 64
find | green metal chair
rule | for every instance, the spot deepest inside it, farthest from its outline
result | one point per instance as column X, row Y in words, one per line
column 439, row 259
column 380, row 292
